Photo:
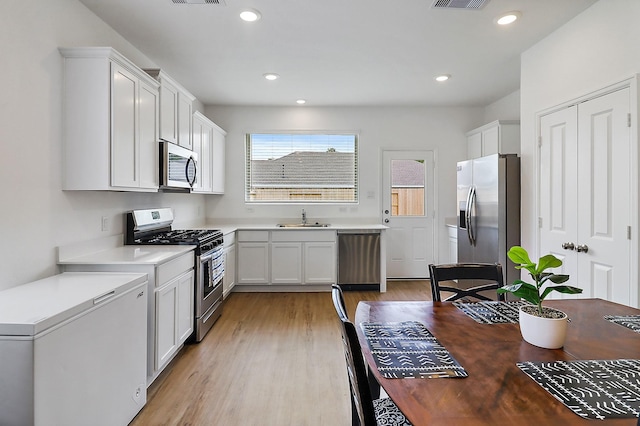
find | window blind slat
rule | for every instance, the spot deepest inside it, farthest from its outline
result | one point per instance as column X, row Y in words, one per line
column 301, row 167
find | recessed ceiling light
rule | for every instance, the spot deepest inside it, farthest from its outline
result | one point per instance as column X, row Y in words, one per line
column 508, row 18
column 301, row 102
column 271, row 76
column 443, row 77
column 250, row 15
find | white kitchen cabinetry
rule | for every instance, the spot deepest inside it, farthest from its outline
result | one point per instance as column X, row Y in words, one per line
column 176, row 109
column 73, row 350
column 202, row 145
column 453, row 244
column 497, row 137
column 170, row 301
column 208, row 143
column 218, row 140
column 286, row 262
column 174, row 316
column 320, row 260
column 110, row 130
column 291, row 257
column 229, row 263
column 253, row 258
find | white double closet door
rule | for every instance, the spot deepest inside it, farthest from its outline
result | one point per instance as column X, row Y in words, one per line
column 585, row 194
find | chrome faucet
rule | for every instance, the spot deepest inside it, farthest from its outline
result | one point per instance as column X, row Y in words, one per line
column 304, row 217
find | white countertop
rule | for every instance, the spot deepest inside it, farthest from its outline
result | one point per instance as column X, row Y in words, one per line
column 28, row 309
column 127, row 255
column 227, row 228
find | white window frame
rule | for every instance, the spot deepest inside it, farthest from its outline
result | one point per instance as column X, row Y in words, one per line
column 248, row 171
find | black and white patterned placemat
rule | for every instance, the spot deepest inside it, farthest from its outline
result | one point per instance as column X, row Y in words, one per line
column 492, row 312
column 409, row 350
column 591, row 389
column 630, row 321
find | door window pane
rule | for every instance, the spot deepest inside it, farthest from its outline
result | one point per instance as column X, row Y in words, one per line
column 407, row 188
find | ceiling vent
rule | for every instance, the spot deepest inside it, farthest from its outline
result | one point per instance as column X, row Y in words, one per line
column 219, row 2
column 458, row 4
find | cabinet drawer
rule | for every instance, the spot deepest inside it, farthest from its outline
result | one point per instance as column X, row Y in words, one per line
column 303, row 235
column 168, row 271
column 253, row 236
column 229, row 239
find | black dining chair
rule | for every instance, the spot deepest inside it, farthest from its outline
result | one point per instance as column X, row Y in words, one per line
column 365, row 410
column 485, row 276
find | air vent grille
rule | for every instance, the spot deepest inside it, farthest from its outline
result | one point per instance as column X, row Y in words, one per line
column 459, row 4
column 218, row 2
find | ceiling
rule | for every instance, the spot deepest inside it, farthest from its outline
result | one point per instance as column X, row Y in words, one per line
column 338, row 52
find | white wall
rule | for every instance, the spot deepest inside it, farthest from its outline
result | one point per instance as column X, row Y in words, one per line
column 36, row 215
column 597, row 48
column 506, row 108
column 379, row 128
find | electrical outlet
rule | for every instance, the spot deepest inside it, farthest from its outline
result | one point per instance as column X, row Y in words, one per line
column 105, row 224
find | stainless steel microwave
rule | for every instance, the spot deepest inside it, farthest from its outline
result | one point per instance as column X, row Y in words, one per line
column 177, row 166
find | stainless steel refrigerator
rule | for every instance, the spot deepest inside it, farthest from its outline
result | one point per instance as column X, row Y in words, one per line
column 489, row 210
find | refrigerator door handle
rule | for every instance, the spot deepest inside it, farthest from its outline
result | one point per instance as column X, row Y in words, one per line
column 471, row 216
column 467, row 221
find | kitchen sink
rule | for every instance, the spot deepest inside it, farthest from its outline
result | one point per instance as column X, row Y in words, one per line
column 303, row 225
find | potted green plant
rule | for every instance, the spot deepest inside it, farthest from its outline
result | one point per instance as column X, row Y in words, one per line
column 540, row 325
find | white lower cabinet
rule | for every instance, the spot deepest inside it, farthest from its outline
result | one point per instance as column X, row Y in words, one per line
column 291, row 257
column 320, row 262
column 253, row 263
column 253, row 257
column 174, row 316
column 453, row 244
column 286, row 263
column 229, row 280
column 170, row 304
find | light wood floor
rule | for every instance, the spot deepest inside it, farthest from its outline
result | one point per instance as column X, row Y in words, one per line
column 271, row 359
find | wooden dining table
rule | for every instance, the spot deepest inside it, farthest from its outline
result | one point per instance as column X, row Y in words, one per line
column 496, row 391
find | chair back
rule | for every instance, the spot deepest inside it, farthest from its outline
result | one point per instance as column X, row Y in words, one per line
column 466, row 271
column 361, row 399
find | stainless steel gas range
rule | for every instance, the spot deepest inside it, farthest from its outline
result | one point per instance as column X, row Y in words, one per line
column 153, row 226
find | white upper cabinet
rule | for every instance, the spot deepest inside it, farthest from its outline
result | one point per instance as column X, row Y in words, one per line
column 218, row 139
column 497, row 137
column 176, row 108
column 208, row 142
column 110, row 127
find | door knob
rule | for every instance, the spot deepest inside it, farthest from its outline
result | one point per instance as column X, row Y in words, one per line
column 582, row 248
column 568, row 246
column 386, row 221
column 386, row 212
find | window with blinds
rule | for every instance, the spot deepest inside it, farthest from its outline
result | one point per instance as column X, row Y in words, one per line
column 309, row 168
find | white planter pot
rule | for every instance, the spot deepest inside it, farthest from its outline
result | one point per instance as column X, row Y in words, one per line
column 548, row 333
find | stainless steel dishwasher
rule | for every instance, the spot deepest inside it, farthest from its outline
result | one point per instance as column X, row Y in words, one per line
column 359, row 259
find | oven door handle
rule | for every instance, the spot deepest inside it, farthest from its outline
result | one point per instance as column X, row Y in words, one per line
column 206, row 257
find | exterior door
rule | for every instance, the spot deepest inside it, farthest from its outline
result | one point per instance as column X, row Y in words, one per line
column 408, row 211
column 585, row 194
